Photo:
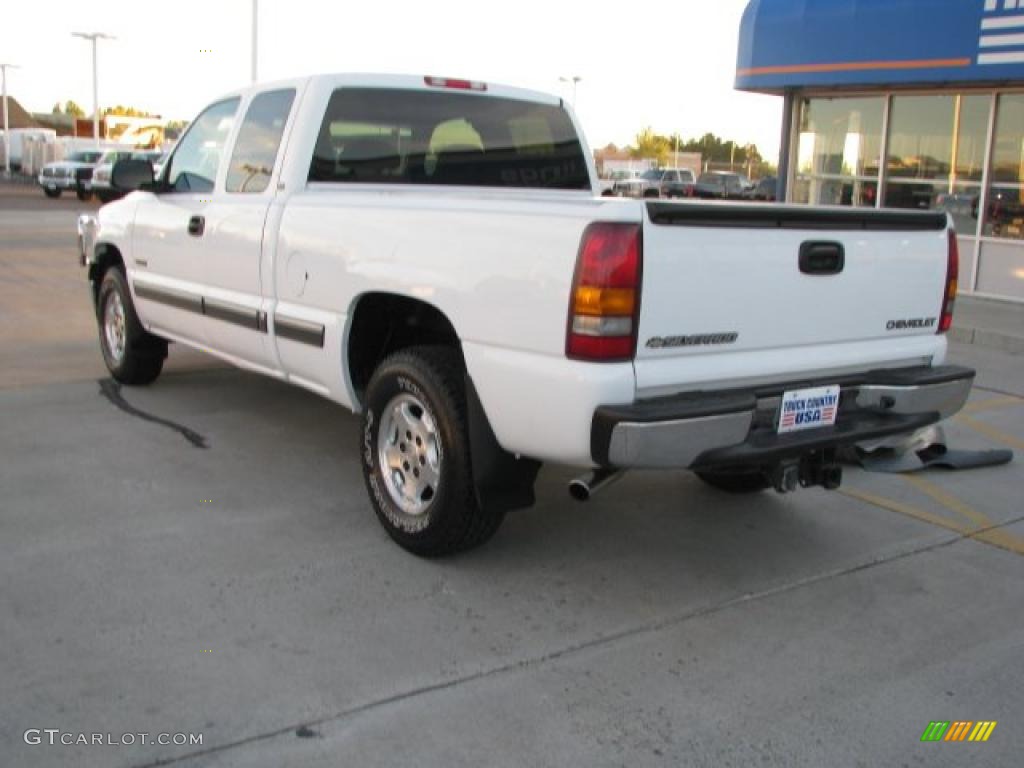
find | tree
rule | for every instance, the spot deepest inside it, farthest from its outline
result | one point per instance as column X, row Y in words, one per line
column 174, row 128
column 127, row 112
column 651, row 145
column 712, row 148
column 70, row 108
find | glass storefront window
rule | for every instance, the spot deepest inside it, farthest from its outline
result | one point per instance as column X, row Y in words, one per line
column 936, row 155
column 838, row 151
column 921, row 137
column 972, row 135
column 962, row 205
column 1004, row 210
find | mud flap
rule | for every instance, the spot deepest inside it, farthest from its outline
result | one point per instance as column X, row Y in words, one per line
column 924, row 449
column 502, row 482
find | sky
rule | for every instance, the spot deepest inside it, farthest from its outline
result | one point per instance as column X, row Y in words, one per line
column 667, row 65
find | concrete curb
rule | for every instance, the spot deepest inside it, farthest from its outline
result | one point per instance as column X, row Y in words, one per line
column 1003, row 342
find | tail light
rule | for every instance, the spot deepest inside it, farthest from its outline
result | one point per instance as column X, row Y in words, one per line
column 604, row 306
column 949, row 294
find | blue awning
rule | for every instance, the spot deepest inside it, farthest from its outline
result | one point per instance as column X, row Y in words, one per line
column 844, row 43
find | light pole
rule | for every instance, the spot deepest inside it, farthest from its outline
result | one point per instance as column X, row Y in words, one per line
column 255, row 36
column 574, row 79
column 94, row 36
column 7, row 131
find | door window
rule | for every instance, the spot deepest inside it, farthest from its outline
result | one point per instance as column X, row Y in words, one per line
column 193, row 166
column 259, row 138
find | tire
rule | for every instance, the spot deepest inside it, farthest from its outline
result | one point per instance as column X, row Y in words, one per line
column 106, row 197
column 83, row 194
column 53, row 194
column 433, row 511
column 736, row 481
column 132, row 355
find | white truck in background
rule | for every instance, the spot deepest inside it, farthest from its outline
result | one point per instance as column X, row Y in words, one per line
column 433, row 254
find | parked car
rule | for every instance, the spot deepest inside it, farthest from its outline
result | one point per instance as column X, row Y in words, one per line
column 719, row 184
column 626, row 183
column 100, row 183
column 668, row 182
column 72, row 173
column 763, row 189
column 471, row 296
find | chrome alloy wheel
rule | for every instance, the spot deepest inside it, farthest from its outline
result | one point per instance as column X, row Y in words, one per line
column 114, row 326
column 409, row 454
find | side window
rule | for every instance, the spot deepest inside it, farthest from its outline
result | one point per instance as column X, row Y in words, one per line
column 193, row 166
column 259, row 138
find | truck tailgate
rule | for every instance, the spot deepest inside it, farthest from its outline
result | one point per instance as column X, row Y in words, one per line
column 729, row 282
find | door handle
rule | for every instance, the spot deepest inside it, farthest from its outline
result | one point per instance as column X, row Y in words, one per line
column 196, row 226
column 819, row 257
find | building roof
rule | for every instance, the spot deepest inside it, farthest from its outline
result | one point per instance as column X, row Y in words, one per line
column 18, row 118
column 848, row 43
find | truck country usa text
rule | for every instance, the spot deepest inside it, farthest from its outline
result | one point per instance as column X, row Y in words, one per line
column 809, row 411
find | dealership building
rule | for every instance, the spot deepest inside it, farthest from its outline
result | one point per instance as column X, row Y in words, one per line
column 905, row 104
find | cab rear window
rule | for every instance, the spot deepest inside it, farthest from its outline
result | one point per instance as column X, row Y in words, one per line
column 389, row 136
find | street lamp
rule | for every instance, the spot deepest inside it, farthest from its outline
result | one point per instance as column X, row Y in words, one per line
column 255, row 37
column 7, row 131
column 574, row 79
column 94, row 36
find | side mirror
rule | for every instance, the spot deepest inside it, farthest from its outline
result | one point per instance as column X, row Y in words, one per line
column 128, row 175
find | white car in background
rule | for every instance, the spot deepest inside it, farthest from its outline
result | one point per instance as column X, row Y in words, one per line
column 100, row 183
column 72, row 173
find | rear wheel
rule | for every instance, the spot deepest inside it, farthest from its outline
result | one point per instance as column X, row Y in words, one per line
column 416, row 459
column 132, row 355
column 745, row 480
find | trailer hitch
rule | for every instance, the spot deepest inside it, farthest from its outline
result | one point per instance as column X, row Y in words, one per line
column 814, row 468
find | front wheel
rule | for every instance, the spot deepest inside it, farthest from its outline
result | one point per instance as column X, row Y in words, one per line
column 51, row 193
column 83, row 194
column 416, row 458
column 132, row 355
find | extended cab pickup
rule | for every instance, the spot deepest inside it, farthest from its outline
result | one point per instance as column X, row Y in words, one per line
column 433, row 255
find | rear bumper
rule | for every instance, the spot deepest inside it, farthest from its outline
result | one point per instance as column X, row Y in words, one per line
column 738, row 427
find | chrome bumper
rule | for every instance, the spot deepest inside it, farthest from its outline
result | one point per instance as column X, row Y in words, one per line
column 708, row 429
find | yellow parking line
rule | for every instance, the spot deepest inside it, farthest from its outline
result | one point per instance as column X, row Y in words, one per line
column 949, row 501
column 906, row 509
column 996, row 538
column 992, row 404
column 991, row 432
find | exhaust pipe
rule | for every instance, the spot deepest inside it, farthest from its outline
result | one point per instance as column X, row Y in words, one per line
column 582, row 488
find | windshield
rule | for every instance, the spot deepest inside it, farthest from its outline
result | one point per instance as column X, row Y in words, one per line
column 109, row 158
column 652, row 175
column 83, row 157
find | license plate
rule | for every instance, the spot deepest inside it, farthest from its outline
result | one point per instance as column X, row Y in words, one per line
column 808, row 408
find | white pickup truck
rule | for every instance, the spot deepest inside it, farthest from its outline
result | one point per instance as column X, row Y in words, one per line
column 431, row 253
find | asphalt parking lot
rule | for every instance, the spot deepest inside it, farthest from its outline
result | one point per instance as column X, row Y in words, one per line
column 236, row 584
